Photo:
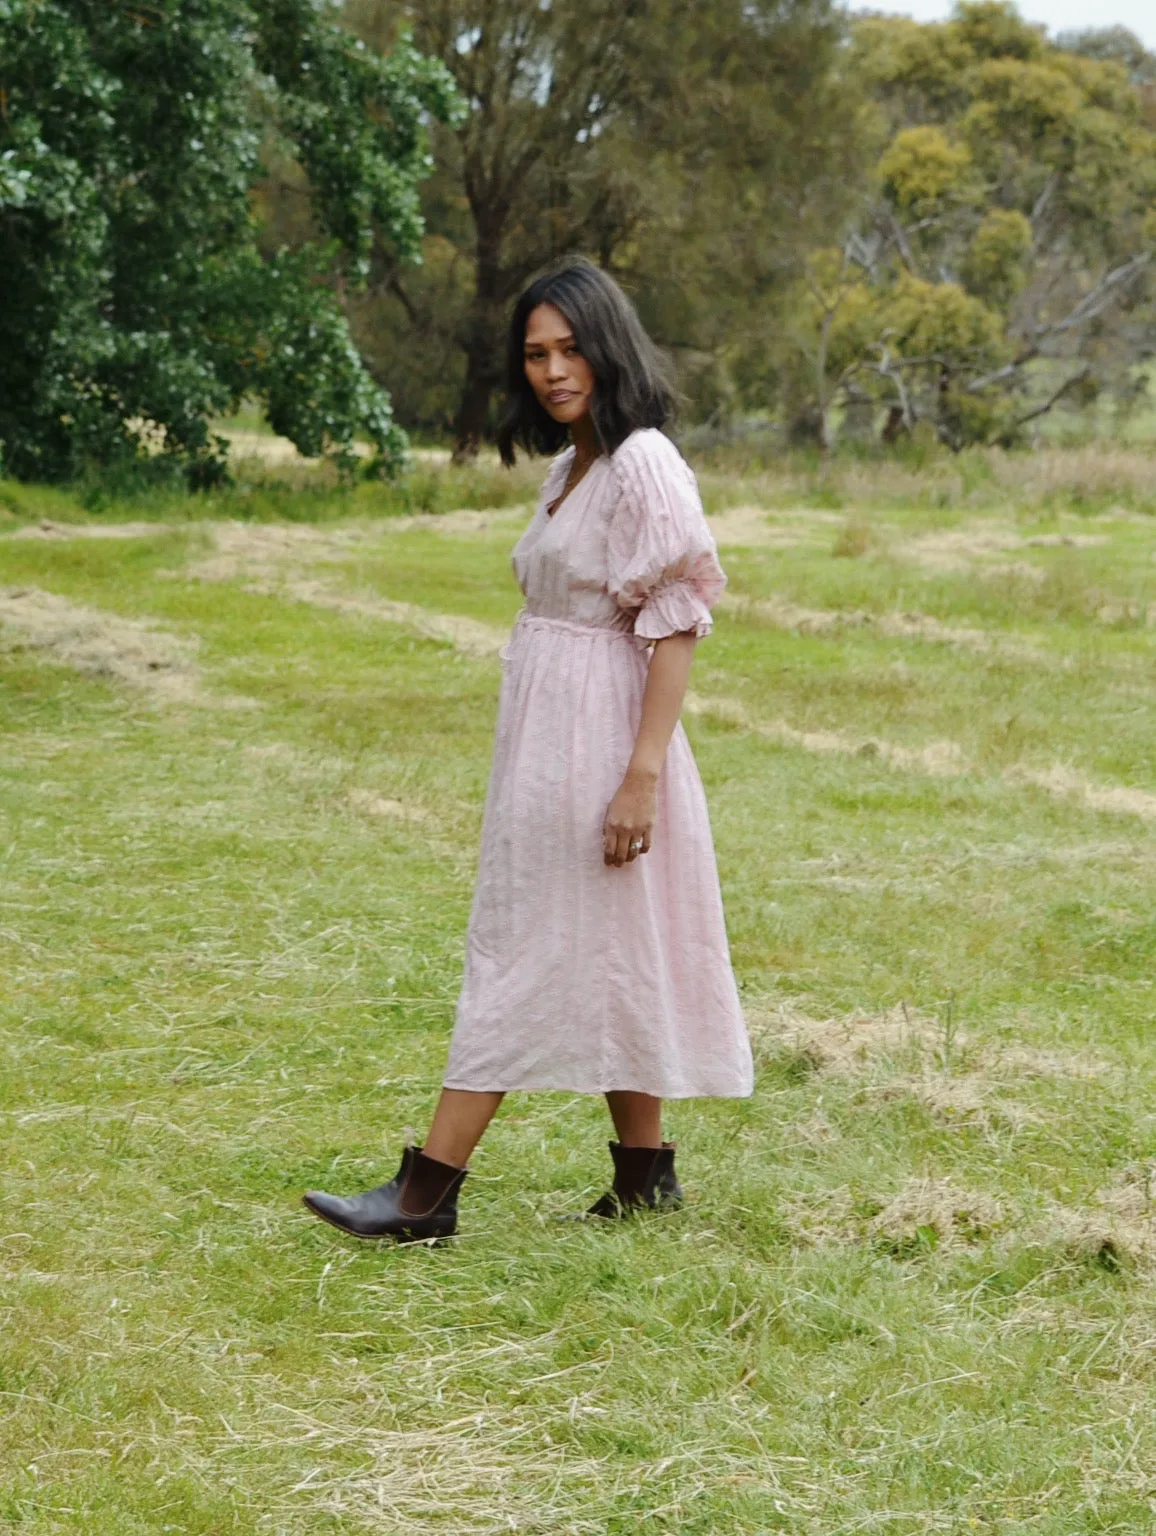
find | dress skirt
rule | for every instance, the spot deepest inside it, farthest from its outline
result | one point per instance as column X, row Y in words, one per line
column 580, row 975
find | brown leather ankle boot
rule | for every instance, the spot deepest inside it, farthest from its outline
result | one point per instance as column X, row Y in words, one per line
column 644, row 1179
column 419, row 1202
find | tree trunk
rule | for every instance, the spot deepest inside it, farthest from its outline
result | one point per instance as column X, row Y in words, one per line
column 482, row 341
column 474, row 406
column 806, row 427
column 895, row 426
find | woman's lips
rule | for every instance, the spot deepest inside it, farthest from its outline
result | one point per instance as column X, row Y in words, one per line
column 560, row 396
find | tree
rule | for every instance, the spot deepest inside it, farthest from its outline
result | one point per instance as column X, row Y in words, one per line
column 136, row 301
column 1114, row 45
column 659, row 139
column 750, row 153
column 1002, row 258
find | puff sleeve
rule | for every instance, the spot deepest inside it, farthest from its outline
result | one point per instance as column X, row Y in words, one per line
column 663, row 564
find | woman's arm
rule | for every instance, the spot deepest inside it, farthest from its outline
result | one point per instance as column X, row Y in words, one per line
column 630, row 815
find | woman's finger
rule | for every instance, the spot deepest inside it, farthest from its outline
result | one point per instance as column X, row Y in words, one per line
column 611, row 841
column 609, row 844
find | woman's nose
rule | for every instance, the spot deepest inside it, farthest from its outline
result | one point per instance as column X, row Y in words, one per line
column 555, row 366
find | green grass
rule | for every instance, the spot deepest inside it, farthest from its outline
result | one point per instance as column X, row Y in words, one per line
column 912, row 1290
column 278, row 493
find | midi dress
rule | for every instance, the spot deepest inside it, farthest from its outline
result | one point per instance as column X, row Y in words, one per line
column 579, row 975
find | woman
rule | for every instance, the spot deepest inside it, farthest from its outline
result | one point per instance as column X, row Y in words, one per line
column 596, row 953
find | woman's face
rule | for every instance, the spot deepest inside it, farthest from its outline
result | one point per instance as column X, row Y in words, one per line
column 559, row 375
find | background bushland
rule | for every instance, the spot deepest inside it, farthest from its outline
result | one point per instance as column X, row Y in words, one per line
column 855, row 226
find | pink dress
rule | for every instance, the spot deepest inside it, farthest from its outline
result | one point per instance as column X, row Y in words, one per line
column 579, row 975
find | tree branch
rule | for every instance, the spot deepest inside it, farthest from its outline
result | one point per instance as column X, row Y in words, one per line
column 1093, row 303
column 1041, row 205
column 393, row 286
column 1000, row 374
column 1089, row 307
column 884, row 368
column 862, row 251
column 1042, row 410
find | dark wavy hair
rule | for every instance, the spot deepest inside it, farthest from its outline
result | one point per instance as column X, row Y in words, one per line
column 632, row 385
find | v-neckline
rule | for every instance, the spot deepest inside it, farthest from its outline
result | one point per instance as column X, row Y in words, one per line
column 569, row 495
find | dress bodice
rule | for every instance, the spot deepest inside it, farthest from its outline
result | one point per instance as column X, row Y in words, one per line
column 562, row 561
column 628, row 549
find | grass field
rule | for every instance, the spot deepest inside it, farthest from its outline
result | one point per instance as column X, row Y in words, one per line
column 245, row 744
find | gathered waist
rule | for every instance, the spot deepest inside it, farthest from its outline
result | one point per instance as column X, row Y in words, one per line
column 530, row 621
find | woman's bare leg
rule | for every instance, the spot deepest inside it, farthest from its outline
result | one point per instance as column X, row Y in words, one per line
column 637, row 1118
column 458, row 1125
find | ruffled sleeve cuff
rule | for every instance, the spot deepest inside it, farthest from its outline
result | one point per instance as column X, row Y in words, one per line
column 672, row 609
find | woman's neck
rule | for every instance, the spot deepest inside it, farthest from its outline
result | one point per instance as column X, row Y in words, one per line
column 585, row 439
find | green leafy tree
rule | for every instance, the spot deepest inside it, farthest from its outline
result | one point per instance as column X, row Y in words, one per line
column 1115, row 45
column 672, row 143
column 136, row 302
column 1002, row 257
column 745, row 156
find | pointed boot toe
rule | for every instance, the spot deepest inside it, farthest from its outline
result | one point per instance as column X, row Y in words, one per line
column 419, row 1203
column 359, row 1216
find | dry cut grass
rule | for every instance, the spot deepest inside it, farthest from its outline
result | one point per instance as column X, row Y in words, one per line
column 1101, row 477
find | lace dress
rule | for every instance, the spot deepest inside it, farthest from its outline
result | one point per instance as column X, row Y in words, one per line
column 579, row 975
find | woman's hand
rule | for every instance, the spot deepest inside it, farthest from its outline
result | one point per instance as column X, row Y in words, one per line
column 629, row 818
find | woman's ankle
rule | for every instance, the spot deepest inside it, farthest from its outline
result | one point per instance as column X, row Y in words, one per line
column 449, row 1155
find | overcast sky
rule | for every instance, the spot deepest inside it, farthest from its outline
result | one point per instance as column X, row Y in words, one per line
column 1138, row 16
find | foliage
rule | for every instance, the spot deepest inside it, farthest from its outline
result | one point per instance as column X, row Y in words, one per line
column 136, row 302
column 1116, row 44
column 1002, row 257
column 673, row 144
column 948, row 224
column 745, row 162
